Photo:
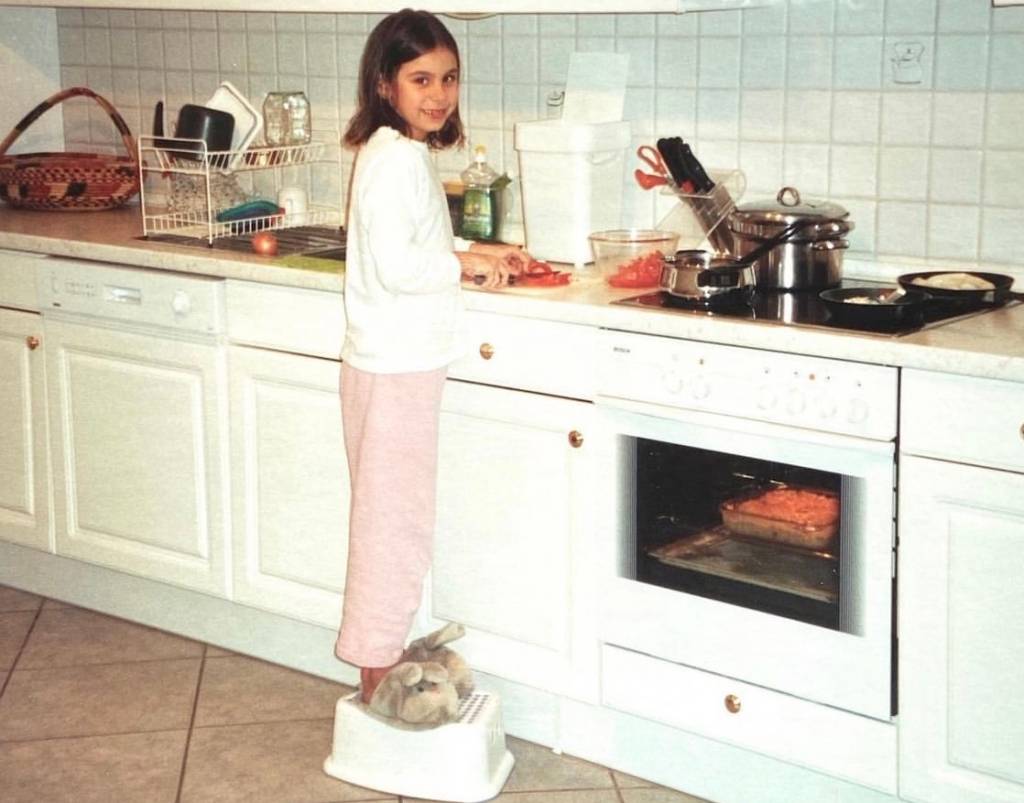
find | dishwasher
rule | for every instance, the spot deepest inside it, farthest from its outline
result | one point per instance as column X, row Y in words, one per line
column 136, row 374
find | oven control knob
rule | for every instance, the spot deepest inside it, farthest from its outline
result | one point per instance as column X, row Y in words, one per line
column 857, row 411
column 181, row 304
column 672, row 381
column 766, row 399
column 826, row 406
column 700, row 389
column 795, row 403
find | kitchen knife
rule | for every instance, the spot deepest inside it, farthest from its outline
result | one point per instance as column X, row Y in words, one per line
column 675, row 165
column 701, row 181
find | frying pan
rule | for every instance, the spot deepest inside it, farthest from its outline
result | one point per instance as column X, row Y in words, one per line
column 888, row 308
column 1000, row 294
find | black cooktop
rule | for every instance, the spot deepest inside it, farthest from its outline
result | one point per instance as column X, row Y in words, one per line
column 804, row 308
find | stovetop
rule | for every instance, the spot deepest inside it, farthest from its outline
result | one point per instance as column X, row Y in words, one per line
column 804, row 308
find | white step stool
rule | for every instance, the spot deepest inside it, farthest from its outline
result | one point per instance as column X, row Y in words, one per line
column 465, row 760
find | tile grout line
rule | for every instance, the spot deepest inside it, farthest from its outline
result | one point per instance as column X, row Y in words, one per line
column 616, row 787
column 21, row 649
column 191, row 725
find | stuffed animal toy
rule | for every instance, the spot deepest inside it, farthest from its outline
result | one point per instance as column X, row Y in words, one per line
column 431, row 648
column 417, row 693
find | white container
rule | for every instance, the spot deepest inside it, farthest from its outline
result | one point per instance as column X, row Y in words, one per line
column 465, row 760
column 572, row 184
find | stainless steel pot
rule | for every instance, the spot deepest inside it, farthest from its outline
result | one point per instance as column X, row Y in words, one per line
column 812, row 258
column 705, row 278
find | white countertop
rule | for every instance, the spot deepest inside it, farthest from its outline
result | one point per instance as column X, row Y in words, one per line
column 989, row 345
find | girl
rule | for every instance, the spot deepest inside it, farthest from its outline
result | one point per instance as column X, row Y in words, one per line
column 403, row 306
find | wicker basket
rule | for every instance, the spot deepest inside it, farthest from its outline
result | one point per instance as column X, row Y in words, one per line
column 68, row 182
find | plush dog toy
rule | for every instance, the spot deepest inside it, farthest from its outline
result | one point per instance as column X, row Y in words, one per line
column 425, row 687
column 417, row 693
column 431, row 648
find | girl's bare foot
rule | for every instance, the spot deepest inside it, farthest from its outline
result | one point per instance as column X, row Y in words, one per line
column 369, row 678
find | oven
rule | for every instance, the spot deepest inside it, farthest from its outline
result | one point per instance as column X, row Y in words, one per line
column 754, row 516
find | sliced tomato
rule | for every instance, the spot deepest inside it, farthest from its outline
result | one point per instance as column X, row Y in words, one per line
column 643, row 271
column 553, row 279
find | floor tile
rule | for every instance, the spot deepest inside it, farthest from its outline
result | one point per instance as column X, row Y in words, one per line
column 658, row 794
column 238, row 689
column 567, row 796
column 13, row 629
column 269, row 762
column 128, row 768
column 624, row 781
column 93, row 700
column 56, row 603
column 73, row 636
column 218, row 652
column 12, row 599
column 538, row 768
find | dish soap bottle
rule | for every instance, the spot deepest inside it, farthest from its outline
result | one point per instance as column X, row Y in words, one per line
column 478, row 201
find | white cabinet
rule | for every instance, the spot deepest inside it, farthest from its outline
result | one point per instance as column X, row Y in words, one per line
column 961, row 600
column 24, row 485
column 138, row 428
column 518, row 547
column 290, row 484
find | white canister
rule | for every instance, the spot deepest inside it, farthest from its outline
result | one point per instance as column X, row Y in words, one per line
column 295, row 204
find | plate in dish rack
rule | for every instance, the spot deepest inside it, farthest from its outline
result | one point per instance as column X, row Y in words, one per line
column 248, row 121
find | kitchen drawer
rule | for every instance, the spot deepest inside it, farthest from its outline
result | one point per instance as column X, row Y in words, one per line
column 823, row 738
column 18, row 280
column 291, row 319
column 529, row 354
column 964, row 419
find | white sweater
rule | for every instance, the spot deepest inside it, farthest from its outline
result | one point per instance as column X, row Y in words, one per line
column 403, row 299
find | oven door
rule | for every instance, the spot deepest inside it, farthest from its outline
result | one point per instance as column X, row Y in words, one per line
column 783, row 598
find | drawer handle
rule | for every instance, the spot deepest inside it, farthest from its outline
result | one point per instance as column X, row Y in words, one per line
column 32, row 342
column 732, row 704
column 575, row 439
column 486, row 350
column 1022, row 431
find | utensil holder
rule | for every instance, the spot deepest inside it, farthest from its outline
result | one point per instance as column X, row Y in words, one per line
column 700, row 219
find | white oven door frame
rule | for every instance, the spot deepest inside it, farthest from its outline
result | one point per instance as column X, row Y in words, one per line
column 849, row 670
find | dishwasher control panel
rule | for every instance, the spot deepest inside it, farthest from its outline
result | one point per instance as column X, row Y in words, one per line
column 153, row 298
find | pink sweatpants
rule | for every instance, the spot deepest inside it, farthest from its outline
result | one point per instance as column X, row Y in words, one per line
column 390, row 423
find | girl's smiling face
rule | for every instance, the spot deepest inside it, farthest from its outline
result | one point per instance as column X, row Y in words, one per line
column 425, row 92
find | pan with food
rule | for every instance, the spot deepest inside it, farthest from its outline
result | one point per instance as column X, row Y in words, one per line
column 975, row 287
column 875, row 308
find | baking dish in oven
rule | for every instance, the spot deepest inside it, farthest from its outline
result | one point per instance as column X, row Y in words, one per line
column 804, row 517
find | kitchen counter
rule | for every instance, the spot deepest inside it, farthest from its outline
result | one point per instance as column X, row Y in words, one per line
column 989, row 345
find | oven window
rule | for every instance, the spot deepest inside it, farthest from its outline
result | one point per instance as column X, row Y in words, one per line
column 750, row 532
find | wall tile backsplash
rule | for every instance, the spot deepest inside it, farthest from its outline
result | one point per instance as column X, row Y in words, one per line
column 908, row 112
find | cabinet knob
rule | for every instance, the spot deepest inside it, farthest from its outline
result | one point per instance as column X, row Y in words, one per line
column 732, row 704
column 575, row 439
column 1022, row 431
column 486, row 350
column 32, row 342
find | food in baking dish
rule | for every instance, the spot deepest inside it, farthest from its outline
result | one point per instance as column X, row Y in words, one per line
column 803, row 517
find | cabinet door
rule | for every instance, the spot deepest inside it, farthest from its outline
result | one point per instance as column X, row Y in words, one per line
column 515, row 543
column 961, row 631
column 139, row 441
column 24, row 494
column 291, row 485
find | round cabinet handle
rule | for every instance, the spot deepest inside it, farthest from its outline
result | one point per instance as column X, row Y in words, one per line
column 732, row 704
column 575, row 439
column 32, row 342
column 486, row 350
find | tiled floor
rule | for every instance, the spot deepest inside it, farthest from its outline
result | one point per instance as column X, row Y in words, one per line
column 95, row 709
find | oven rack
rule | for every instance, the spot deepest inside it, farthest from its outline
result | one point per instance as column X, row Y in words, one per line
column 185, row 187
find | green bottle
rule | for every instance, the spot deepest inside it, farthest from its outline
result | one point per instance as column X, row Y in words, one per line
column 479, row 207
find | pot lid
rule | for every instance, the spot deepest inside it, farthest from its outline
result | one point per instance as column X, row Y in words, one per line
column 760, row 217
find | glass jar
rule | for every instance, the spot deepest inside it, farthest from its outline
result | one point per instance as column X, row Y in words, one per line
column 286, row 119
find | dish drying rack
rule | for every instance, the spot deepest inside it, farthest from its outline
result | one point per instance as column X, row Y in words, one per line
column 700, row 219
column 213, row 176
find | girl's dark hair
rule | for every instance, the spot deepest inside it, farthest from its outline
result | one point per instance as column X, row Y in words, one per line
column 397, row 39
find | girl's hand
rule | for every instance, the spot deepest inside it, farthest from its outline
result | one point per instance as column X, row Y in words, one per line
column 482, row 268
column 514, row 257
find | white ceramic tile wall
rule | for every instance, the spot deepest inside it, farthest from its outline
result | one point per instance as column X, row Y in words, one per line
column 908, row 112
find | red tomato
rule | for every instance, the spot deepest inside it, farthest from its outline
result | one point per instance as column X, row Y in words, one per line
column 264, row 243
column 644, row 271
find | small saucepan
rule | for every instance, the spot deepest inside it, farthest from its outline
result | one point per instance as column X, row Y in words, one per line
column 875, row 308
column 973, row 288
